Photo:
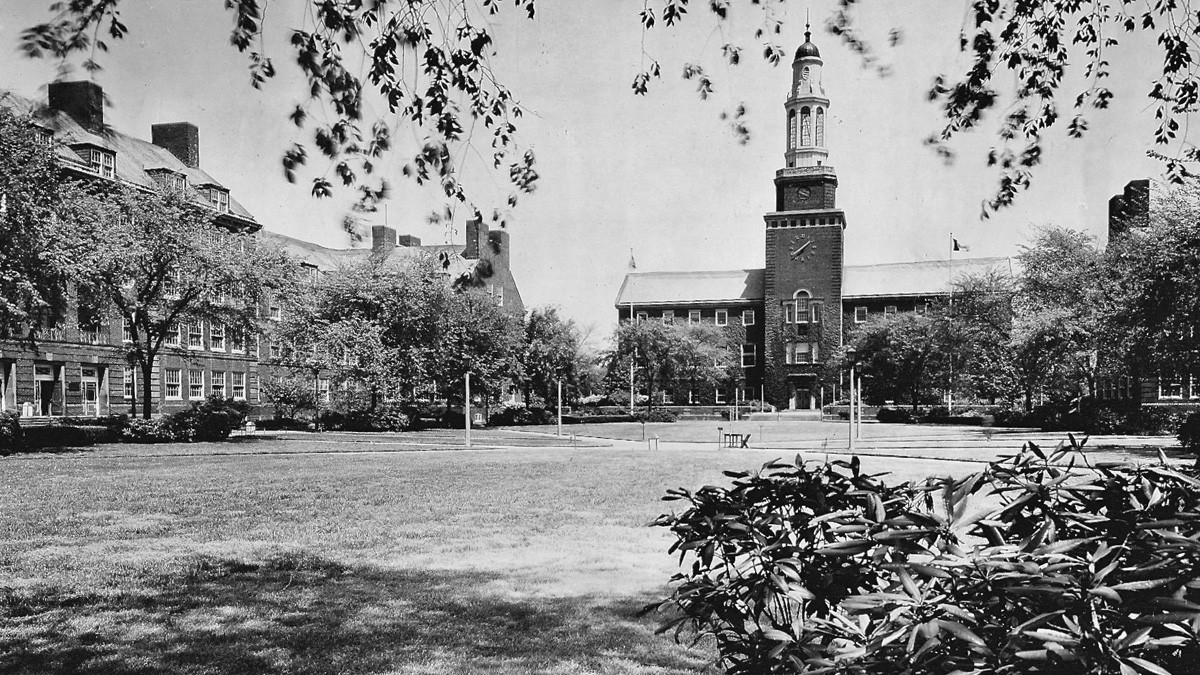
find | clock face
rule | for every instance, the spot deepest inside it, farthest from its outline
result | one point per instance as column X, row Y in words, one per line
column 801, row 248
column 802, row 194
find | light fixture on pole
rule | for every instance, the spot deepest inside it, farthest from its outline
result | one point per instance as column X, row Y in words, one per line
column 851, row 356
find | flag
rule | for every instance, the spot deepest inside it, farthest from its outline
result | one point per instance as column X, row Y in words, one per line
column 958, row 246
column 632, row 262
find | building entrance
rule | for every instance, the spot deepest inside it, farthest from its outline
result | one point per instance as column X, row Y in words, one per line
column 45, row 389
column 801, row 396
column 91, row 391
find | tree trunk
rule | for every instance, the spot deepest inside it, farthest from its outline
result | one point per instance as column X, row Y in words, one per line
column 147, row 397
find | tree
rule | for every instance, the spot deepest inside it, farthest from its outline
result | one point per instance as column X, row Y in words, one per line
column 980, row 336
column 430, row 61
column 552, row 353
column 162, row 262
column 1064, row 320
column 31, row 291
column 1156, row 288
column 389, row 329
column 695, row 357
column 903, row 356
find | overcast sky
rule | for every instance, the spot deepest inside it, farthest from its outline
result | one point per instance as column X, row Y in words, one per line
column 659, row 174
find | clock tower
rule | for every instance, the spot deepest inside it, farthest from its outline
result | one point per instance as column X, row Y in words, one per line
column 803, row 276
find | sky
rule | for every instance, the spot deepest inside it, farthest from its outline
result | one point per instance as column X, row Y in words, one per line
column 659, row 176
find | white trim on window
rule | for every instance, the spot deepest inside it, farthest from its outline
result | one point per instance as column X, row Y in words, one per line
column 217, row 383
column 668, row 317
column 196, row 384
column 693, row 316
column 749, row 355
column 860, row 314
column 722, row 317
column 747, row 317
column 172, row 384
column 238, row 387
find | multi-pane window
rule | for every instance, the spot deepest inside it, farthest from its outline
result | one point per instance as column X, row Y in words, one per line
column 274, row 351
column 275, row 311
column 195, row 335
column 219, row 198
column 102, row 163
column 216, row 337
column 196, row 384
column 815, row 310
column 498, row 296
column 860, row 314
column 722, row 317
column 749, row 355
column 668, row 317
column 129, row 390
column 237, row 340
column 693, row 316
column 217, row 383
column 789, row 311
column 172, row 336
column 921, row 308
column 801, row 299
column 747, row 317
column 172, row 387
column 718, row 396
column 323, row 390
column 239, row 386
column 642, row 316
column 1170, row 385
column 800, row 352
column 126, row 330
column 889, row 310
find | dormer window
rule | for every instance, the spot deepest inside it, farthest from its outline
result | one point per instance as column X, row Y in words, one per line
column 42, row 135
column 170, row 181
column 101, row 162
column 219, row 198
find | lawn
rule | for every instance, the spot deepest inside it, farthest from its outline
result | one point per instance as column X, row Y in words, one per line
column 524, row 560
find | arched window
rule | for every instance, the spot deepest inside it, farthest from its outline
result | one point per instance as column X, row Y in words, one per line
column 804, row 73
column 805, row 126
column 821, row 127
column 791, row 129
column 801, row 302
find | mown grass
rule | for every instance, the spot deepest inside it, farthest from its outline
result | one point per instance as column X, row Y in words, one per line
column 516, row 561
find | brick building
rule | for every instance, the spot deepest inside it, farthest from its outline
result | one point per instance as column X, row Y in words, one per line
column 78, row 367
column 797, row 309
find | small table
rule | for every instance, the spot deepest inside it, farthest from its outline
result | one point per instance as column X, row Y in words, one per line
column 737, row 440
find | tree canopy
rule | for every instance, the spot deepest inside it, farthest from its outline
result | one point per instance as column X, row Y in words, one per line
column 429, row 63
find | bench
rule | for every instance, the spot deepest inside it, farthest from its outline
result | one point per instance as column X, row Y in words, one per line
column 737, row 440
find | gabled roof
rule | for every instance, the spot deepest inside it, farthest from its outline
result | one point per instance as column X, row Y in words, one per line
column 135, row 157
column 712, row 287
column 926, row 277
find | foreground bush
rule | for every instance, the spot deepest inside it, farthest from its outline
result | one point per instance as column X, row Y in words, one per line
column 894, row 415
column 1029, row 566
column 10, row 431
column 214, row 419
column 657, row 415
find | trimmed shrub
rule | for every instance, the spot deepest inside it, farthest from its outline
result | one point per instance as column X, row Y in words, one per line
column 1189, row 432
column 149, row 431
column 212, row 420
column 656, row 415
column 894, row 415
column 62, row 436
column 516, row 414
column 283, row 424
column 1029, row 566
column 10, row 432
column 113, row 425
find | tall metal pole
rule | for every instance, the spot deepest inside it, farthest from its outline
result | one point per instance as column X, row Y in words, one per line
column 467, row 409
column 559, row 433
column 632, row 323
column 850, row 433
column 858, row 418
column 950, row 319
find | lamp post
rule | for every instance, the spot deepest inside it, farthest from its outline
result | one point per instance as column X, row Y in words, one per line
column 559, row 432
column 467, row 408
column 852, row 357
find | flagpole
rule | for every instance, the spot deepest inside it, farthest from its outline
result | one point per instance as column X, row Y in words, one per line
column 950, row 319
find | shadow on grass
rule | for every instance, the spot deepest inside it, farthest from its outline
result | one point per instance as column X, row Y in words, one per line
column 299, row 613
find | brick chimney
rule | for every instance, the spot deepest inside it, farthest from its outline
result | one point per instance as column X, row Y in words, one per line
column 181, row 139
column 477, row 236
column 383, row 239
column 82, row 100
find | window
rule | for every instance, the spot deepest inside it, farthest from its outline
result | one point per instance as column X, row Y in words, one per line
column 694, row 316
column 273, row 350
column 42, row 135
column 196, row 384
column 216, row 337
column 217, row 383
column 805, row 126
column 722, row 317
column 498, row 296
column 747, row 317
column 127, row 330
column 860, row 314
column 642, row 316
column 921, row 308
column 1170, row 385
column 789, row 311
column 791, row 129
column 102, row 163
column 749, row 356
column 239, row 386
column 196, row 335
column 219, row 198
column 274, row 310
column 801, row 311
column 129, row 391
column 800, row 352
column 323, row 390
column 172, row 336
column 820, row 126
column 668, row 317
column 718, row 396
column 667, row 398
column 171, row 384
column 237, row 341
column 889, row 310
column 815, row 313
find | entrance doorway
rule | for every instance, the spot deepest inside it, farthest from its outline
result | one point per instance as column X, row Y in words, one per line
column 90, row 384
column 801, row 396
column 45, row 389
